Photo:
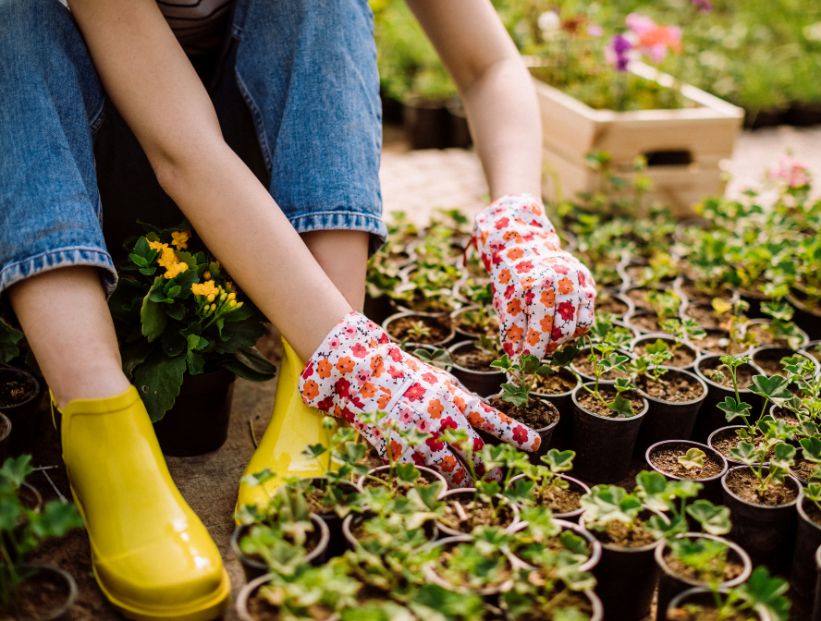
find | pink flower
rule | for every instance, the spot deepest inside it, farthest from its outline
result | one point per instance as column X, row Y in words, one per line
column 791, row 173
column 653, row 40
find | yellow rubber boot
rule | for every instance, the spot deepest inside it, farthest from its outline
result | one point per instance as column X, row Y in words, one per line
column 293, row 427
column 151, row 555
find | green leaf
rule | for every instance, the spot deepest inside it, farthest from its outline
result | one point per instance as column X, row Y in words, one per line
column 773, row 388
column 158, row 380
column 714, row 520
column 152, row 318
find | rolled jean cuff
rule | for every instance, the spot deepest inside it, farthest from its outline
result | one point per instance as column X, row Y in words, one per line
column 343, row 221
column 64, row 257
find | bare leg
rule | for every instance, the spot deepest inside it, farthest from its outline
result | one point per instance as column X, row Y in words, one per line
column 344, row 257
column 68, row 325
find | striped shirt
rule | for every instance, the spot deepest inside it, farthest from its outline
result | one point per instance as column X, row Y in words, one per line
column 199, row 24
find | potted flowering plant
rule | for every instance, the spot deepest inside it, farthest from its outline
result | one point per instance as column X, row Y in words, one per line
column 594, row 86
column 185, row 331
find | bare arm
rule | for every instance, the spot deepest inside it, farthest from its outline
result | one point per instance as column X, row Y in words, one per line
column 495, row 86
column 158, row 93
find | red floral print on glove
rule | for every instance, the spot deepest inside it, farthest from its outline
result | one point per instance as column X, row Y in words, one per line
column 543, row 295
column 357, row 370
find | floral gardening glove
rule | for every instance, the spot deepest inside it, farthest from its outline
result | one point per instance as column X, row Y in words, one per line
column 358, row 370
column 543, row 295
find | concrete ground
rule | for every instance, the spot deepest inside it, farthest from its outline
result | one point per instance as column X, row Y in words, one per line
column 414, row 182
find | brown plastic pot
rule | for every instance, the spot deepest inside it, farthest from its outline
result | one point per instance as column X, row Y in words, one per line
column 483, row 383
column 711, row 489
column 671, row 584
column 604, row 445
column 467, row 494
column 255, row 567
column 198, row 422
column 807, row 542
column 710, row 417
column 766, row 532
column 570, row 516
column 667, row 420
column 23, row 414
column 49, row 573
column 705, row 597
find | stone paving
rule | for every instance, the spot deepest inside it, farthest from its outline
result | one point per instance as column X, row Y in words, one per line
column 415, row 182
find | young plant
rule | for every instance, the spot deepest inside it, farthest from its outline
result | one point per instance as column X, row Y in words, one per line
column 436, row 356
column 476, row 565
column 545, row 476
column 23, row 530
column 525, row 371
column 781, row 457
column 693, row 459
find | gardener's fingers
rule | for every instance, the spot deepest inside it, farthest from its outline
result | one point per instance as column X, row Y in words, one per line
column 437, row 455
column 490, row 420
column 587, row 300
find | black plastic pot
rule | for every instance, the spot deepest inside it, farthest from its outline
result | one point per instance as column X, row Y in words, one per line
column 336, row 540
column 545, row 433
column 442, row 317
column 24, row 413
column 773, row 353
column 56, row 610
column 668, row 420
column 563, row 433
column 466, row 494
column 711, row 489
column 705, row 597
column 461, row 333
column 255, row 567
column 247, row 593
column 580, row 486
column 806, row 316
column 427, row 124
column 626, row 580
column 5, row 432
column 807, row 541
column 710, row 417
column 816, row 605
column 378, row 309
column 459, row 136
column 671, row 584
column 766, row 532
column 663, row 336
column 604, row 445
column 483, row 383
column 198, row 422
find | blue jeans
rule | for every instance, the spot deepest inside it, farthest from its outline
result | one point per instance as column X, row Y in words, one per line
column 296, row 90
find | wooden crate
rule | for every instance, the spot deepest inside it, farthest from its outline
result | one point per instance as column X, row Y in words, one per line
column 702, row 135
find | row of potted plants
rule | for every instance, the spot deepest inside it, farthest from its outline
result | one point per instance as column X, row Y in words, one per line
column 526, row 542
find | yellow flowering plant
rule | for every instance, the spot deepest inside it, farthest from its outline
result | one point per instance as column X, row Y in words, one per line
column 177, row 313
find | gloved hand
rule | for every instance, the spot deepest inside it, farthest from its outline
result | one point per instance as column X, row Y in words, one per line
column 358, row 370
column 543, row 295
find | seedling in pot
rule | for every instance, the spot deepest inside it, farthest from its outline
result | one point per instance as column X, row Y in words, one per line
column 760, row 592
column 693, row 460
column 434, row 356
column 24, row 530
column 781, row 329
column 550, row 489
column 682, row 331
column 479, row 565
column 781, row 458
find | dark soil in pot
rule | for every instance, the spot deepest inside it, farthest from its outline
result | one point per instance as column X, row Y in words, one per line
column 627, row 572
column 198, row 422
column 719, row 342
column 471, row 366
column 473, row 322
column 564, row 501
column 664, row 457
column 684, row 354
column 802, row 469
column 725, row 439
column 46, row 595
column 614, row 304
column 20, row 402
column 698, row 604
column 603, row 441
column 676, row 577
column 538, row 414
column 419, row 328
column 675, row 399
column 710, row 417
column 639, row 296
column 644, row 321
column 807, row 541
column 465, row 511
column 706, row 316
column 381, row 475
column 763, row 523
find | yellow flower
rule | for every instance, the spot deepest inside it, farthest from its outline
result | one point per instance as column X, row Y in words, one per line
column 205, row 289
column 179, row 239
column 158, row 246
column 175, row 269
column 167, row 257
